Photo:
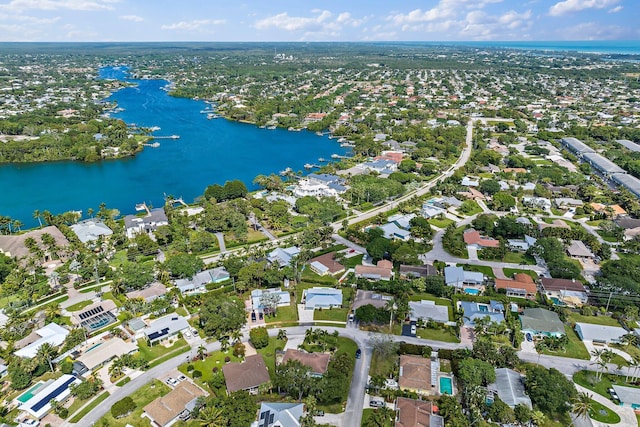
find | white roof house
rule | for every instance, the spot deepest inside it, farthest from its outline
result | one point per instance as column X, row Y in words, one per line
column 52, row 333
column 284, row 297
column 428, row 310
column 166, row 327
column 283, row 256
column 458, row 277
column 600, row 333
column 629, row 396
column 101, row 353
column 273, row 414
column 509, row 386
column 320, row 297
column 40, row 403
column 197, row 283
column 90, row 230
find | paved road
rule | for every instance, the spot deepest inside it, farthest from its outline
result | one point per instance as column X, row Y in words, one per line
column 348, row 243
column 221, row 245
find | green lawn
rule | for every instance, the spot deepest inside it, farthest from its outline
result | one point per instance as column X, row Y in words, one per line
column 142, row 397
column 484, row 269
column 575, row 349
column 601, row 413
column 440, row 223
column 157, row 351
column 309, row 275
column 368, row 413
column 476, row 208
column 382, row 367
column 588, row 379
column 109, row 295
column 519, row 258
column 284, row 314
column 215, row 359
column 595, row 320
column 77, row 417
column 119, row 258
column 333, row 314
column 437, row 334
column 79, row 305
column 269, row 354
column 509, row 272
column 353, row 261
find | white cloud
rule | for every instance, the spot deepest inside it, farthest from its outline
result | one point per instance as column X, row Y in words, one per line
column 197, row 24
column 87, row 5
column 569, row 6
column 283, row 21
column 132, row 18
column 445, row 9
column 615, row 9
column 29, row 19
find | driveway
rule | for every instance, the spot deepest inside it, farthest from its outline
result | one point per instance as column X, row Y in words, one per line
column 304, row 315
column 473, row 253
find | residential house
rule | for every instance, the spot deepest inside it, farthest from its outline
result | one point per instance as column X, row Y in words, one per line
column 614, row 210
column 370, row 298
column 90, row 230
column 102, row 352
column 540, row 322
column 96, row 316
column 14, row 245
column 417, row 271
column 564, row 291
column 472, row 194
column 431, row 211
column 537, row 202
column 382, row 167
column 415, row 375
column 459, row 277
column 247, row 375
column 317, row 362
column 417, row 413
column 600, row 334
column 175, row 405
column 283, row 256
column 326, row 264
column 392, row 231
column 631, row 226
column 383, row 270
column 321, row 297
column 51, row 333
column 149, row 293
column 275, row 414
column 197, row 283
column 147, row 224
column 567, row 202
column 521, row 286
column 469, row 182
column 509, row 386
column 475, row 310
column 556, row 223
column 629, row 396
column 39, row 404
column 521, row 245
column 320, row 185
column 428, row 310
column 578, row 250
column 262, row 299
column 165, row 328
column 473, row 238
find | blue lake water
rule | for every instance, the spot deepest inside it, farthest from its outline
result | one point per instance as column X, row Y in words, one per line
column 208, row 152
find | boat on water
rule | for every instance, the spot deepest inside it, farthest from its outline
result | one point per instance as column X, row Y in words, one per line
column 286, row 171
column 347, row 144
column 308, row 165
column 213, row 116
column 322, row 159
column 319, row 133
column 335, row 156
column 271, row 127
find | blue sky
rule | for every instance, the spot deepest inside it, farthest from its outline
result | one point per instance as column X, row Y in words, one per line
column 329, row 20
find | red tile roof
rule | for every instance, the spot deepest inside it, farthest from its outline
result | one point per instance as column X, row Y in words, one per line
column 473, row 237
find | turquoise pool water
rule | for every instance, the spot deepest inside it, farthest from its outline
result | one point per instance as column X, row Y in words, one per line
column 446, row 386
column 93, row 346
column 483, row 308
column 471, row 291
column 29, row 393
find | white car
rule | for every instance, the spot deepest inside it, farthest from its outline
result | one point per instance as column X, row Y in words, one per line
column 171, row 381
column 414, row 330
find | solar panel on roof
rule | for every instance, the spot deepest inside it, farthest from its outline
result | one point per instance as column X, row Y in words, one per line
column 55, row 393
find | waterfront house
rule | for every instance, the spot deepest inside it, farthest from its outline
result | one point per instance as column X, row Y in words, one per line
column 90, row 230
column 146, row 224
column 14, row 245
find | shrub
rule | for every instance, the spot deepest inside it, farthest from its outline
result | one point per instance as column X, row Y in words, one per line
column 259, row 337
column 227, row 359
column 190, row 367
column 66, row 367
column 196, row 374
column 215, row 370
column 238, row 349
column 123, row 407
column 62, row 412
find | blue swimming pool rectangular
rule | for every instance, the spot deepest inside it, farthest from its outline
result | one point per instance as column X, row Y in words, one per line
column 471, row 291
column 446, row 386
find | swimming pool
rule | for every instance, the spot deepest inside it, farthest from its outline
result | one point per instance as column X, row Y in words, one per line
column 446, row 386
column 93, row 346
column 483, row 308
column 29, row 393
column 471, row 291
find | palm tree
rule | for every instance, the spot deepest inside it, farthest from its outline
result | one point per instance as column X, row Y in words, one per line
column 581, row 404
column 37, row 215
column 391, row 307
column 210, row 416
column 538, row 418
column 51, row 311
column 115, row 370
column 46, row 352
column 202, row 352
column 118, row 287
column 236, row 335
